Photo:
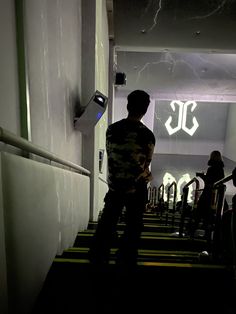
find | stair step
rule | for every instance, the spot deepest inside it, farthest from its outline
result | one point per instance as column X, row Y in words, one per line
column 143, row 234
column 143, row 255
column 152, row 242
column 75, row 286
column 170, row 277
column 150, row 227
column 149, row 264
column 154, row 219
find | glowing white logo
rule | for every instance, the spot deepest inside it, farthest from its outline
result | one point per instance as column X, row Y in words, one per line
column 182, row 118
column 182, row 181
column 169, row 178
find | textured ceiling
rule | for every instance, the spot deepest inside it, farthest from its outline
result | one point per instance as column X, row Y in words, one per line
column 169, row 75
column 175, row 24
column 182, row 48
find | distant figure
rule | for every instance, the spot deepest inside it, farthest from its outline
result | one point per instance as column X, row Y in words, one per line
column 178, row 206
column 215, row 172
column 130, row 145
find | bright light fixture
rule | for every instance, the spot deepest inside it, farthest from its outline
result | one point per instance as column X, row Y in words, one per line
column 169, row 178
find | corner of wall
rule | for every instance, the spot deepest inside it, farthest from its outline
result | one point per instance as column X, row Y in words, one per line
column 3, row 264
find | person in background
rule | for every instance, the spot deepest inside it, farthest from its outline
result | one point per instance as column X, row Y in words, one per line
column 130, row 145
column 214, row 173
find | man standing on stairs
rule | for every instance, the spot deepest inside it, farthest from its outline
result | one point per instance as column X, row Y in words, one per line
column 130, row 145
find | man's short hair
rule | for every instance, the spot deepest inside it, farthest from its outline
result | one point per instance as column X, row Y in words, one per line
column 138, row 102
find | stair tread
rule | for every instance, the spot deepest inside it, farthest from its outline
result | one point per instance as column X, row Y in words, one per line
column 168, row 268
column 151, row 264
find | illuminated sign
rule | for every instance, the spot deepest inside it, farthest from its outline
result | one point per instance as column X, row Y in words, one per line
column 182, row 117
column 181, row 183
column 169, row 178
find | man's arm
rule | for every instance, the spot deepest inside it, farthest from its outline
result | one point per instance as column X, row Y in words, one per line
column 146, row 174
column 149, row 155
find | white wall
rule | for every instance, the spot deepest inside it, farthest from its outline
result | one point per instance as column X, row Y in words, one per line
column 188, row 147
column 43, row 208
column 230, row 138
column 9, row 104
column 101, row 83
column 95, row 77
column 3, row 264
column 53, row 47
column 40, row 214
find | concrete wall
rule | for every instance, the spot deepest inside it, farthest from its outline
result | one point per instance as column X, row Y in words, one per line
column 53, row 44
column 54, row 54
column 9, row 103
column 101, row 83
column 53, row 48
column 230, row 137
column 41, row 212
column 95, row 67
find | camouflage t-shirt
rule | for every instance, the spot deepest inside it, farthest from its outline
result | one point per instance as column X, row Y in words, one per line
column 130, row 146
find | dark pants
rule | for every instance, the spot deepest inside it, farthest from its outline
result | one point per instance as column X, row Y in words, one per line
column 115, row 201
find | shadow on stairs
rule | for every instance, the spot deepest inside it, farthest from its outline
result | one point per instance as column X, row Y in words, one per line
column 169, row 278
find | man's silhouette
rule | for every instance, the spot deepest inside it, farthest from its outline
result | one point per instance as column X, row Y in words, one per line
column 129, row 145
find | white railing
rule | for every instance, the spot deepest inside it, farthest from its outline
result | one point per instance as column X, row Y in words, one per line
column 19, row 142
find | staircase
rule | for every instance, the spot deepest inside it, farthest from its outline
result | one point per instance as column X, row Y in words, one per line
column 171, row 277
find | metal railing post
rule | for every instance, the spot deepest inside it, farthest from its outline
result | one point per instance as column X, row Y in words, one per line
column 160, row 198
column 185, row 202
column 174, row 185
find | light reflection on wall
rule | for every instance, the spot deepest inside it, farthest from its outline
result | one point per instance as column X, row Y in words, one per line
column 168, row 178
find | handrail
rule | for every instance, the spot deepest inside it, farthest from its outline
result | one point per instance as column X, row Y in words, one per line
column 173, row 184
column 222, row 181
column 152, row 191
column 218, row 203
column 160, row 194
column 175, row 193
column 193, row 180
column 160, row 198
column 218, row 195
column 149, row 194
column 17, row 141
column 154, row 196
column 185, row 202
